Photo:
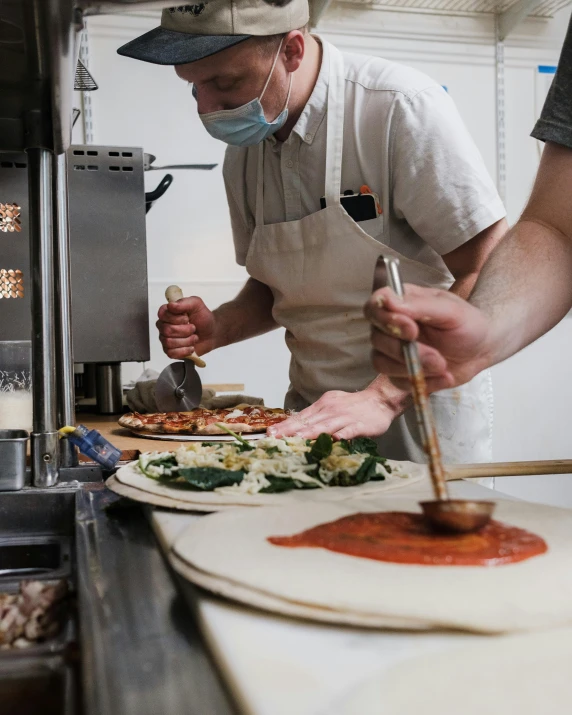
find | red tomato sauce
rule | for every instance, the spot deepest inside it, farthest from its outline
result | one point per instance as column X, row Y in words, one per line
column 404, row 538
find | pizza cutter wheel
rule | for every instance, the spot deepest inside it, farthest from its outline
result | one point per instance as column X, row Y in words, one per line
column 178, row 388
column 443, row 514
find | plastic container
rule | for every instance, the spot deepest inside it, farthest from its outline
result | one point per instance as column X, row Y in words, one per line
column 12, row 459
column 94, row 445
column 16, row 403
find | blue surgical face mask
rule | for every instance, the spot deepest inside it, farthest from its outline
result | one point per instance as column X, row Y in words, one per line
column 245, row 125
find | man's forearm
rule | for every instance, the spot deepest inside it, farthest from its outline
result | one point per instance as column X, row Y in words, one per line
column 391, row 397
column 467, row 261
column 246, row 316
column 464, row 285
column 526, row 286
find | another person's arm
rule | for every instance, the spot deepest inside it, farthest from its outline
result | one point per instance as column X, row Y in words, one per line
column 523, row 291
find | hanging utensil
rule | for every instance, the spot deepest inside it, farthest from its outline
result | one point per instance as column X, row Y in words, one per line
column 152, row 196
column 148, row 160
column 444, row 513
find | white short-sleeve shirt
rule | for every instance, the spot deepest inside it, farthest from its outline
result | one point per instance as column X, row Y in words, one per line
column 403, row 137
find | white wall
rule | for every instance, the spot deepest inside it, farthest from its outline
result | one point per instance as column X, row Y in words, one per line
column 189, row 238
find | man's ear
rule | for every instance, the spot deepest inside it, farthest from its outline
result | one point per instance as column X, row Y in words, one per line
column 293, row 48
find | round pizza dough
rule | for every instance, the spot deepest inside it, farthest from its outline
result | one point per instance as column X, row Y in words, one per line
column 267, row 602
column 404, row 473
column 155, row 500
column 524, row 674
column 536, row 593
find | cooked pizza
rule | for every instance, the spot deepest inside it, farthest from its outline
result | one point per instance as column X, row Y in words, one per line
column 241, row 419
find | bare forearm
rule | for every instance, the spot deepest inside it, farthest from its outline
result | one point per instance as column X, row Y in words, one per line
column 390, row 396
column 464, row 285
column 467, row 261
column 246, row 316
column 526, row 286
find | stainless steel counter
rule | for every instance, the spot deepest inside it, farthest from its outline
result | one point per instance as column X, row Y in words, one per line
column 140, row 650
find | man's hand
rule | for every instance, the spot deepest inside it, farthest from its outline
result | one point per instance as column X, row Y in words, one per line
column 346, row 415
column 453, row 335
column 185, row 326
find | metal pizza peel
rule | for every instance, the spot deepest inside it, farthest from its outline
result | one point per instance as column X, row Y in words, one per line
column 179, row 387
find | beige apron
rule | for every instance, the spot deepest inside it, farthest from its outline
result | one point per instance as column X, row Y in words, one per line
column 320, row 270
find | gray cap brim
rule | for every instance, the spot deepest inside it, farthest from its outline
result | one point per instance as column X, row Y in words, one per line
column 168, row 47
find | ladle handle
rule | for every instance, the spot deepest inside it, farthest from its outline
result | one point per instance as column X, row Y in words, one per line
column 173, row 294
column 423, row 410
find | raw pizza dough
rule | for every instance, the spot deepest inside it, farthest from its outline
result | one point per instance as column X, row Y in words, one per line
column 532, row 594
column 408, row 472
column 267, row 602
column 524, row 674
column 154, row 500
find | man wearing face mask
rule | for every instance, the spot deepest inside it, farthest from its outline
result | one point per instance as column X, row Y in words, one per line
column 332, row 159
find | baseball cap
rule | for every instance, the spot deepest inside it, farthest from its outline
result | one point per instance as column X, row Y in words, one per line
column 191, row 32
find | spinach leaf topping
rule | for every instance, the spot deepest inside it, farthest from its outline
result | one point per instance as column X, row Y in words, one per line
column 242, row 445
column 321, row 449
column 363, row 445
column 205, row 479
column 164, row 466
column 285, row 484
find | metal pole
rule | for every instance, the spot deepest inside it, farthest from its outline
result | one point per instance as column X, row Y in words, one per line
column 66, row 392
column 108, row 388
column 45, row 462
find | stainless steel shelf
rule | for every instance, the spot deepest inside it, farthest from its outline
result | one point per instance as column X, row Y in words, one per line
column 544, row 8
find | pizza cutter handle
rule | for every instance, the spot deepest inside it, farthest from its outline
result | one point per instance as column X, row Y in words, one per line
column 173, row 294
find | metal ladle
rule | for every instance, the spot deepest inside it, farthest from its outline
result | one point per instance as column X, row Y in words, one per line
column 443, row 514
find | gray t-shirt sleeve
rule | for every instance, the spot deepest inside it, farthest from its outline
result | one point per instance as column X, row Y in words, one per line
column 555, row 123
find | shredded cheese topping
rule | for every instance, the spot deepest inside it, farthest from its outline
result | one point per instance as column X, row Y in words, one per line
column 275, row 457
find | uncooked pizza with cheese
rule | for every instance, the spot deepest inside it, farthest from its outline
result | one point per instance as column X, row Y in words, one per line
column 201, row 422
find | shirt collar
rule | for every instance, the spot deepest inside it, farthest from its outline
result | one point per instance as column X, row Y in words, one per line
column 315, row 109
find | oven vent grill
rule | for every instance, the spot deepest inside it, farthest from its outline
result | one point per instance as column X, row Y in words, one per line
column 11, row 283
column 10, row 218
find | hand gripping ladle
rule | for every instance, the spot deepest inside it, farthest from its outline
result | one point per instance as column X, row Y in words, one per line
column 443, row 514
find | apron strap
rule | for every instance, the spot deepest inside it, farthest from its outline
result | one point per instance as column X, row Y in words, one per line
column 259, row 210
column 334, row 137
column 334, row 126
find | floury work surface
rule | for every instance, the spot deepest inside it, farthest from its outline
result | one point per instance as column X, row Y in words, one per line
column 275, row 665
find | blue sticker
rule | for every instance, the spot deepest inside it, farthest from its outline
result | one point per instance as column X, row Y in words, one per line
column 547, row 69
